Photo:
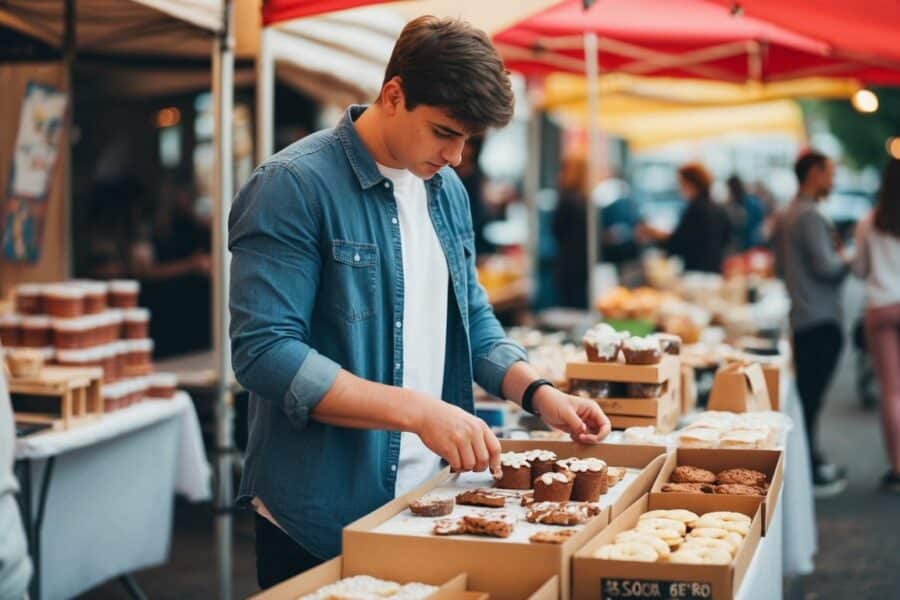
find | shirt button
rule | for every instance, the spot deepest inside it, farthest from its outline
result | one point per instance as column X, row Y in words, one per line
column 356, row 257
column 394, row 220
column 394, row 468
column 397, row 366
column 398, row 324
column 387, row 185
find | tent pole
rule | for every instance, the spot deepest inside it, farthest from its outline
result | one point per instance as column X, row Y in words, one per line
column 223, row 101
column 70, row 48
column 265, row 96
column 592, row 67
column 532, row 188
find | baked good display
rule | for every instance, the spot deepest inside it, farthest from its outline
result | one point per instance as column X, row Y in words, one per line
column 553, row 487
column 361, row 587
column 494, row 524
column 481, row 497
column 590, row 479
column 552, row 536
column 516, row 471
column 561, row 513
column 752, row 430
column 680, row 536
column 688, row 474
column 541, row 461
column 431, row 506
column 642, row 351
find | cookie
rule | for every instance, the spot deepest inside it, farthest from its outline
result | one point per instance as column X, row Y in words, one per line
column 449, row 527
column 552, row 536
column 736, row 489
column 743, row 477
column 481, row 497
column 687, row 474
column 689, row 488
column 561, row 513
column 677, row 514
column 430, row 506
column 493, row 524
column 631, row 551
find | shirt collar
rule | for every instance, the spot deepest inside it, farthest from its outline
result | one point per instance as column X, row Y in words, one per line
column 361, row 161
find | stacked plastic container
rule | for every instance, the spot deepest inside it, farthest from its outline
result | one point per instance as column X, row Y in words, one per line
column 85, row 323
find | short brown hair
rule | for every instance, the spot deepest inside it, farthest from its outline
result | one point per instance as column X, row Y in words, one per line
column 697, row 175
column 806, row 162
column 449, row 64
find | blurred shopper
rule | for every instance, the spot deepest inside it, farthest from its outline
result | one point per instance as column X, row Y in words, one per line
column 15, row 566
column 811, row 262
column 569, row 231
column 357, row 320
column 173, row 262
column 746, row 213
column 878, row 262
column 703, row 232
column 112, row 225
column 473, row 180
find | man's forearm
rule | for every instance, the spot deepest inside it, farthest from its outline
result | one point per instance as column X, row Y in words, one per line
column 361, row 404
column 517, row 378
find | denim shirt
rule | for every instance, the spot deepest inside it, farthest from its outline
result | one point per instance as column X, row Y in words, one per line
column 317, row 286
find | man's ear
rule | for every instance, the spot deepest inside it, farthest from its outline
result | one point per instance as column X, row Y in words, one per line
column 392, row 99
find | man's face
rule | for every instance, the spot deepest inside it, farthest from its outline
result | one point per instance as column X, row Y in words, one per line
column 422, row 140
column 823, row 177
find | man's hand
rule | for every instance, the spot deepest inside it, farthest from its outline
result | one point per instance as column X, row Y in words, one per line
column 462, row 439
column 581, row 418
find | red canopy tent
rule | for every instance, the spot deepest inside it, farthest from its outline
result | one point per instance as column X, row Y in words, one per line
column 677, row 38
column 275, row 11
column 853, row 30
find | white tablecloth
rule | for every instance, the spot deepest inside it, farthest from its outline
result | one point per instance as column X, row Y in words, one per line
column 110, row 499
column 761, row 579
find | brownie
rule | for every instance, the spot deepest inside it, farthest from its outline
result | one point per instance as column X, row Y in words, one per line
column 481, row 497
column 429, row 506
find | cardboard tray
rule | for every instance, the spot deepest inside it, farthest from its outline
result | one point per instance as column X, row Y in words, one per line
column 770, row 462
column 669, row 368
column 613, row 579
column 507, row 570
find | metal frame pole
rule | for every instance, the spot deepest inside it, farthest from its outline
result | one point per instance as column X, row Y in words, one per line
column 223, row 101
column 592, row 68
column 532, row 188
column 265, row 96
column 70, row 50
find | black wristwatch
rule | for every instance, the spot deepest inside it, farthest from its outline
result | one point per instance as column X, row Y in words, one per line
column 528, row 396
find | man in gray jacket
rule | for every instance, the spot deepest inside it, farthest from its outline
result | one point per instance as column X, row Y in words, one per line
column 810, row 259
column 15, row 566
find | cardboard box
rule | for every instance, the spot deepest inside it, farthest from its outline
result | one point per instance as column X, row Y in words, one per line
column 770, row 462
column 613, row 579
column 772, row 374
column 331, row 571
column 506, row 570
column 739, row 387
column 688, row 389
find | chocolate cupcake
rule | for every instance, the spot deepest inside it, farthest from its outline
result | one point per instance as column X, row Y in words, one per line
column 562, row 465
column 541, row 462
column 516, row 472
column 602, row 343
column 642, row 351
column 553, row 487
column 669, row 343
column 590, row 479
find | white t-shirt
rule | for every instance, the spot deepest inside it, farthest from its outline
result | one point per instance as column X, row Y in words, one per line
column 425, row 283
column 878, row 261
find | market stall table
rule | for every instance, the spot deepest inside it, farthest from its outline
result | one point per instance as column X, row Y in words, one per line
column 99, row 496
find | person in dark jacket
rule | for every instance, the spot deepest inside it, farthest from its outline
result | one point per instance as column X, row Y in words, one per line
column 704, row 230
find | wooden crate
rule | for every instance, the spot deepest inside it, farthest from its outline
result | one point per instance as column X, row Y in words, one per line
column 662, row 412
column 78, row 390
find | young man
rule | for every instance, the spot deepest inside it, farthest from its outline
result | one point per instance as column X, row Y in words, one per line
column 358, row 323
column 810, row 261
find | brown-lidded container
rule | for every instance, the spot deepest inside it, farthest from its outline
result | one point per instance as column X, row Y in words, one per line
column 83, row 357
column 137, row 323
column 95, row 295
column 138, row 357
column 10, row 329
column 123, row 293
column 36, row 331
column 113, row 323
column 74, row 334
column 113, row 397
column 162, row 385
column 64, row 300
column 30, row 299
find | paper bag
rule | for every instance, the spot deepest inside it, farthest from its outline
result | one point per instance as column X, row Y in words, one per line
column 739, row 387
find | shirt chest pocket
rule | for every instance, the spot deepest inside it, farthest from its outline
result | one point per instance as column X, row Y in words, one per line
column 354, row 270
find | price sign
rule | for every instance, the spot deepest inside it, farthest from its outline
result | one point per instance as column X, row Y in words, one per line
column 615, row 589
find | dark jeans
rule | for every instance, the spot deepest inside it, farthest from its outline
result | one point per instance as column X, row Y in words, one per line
column 278, row 557
column 816, row 353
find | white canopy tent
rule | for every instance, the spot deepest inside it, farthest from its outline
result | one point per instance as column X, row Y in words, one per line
column 160, row 28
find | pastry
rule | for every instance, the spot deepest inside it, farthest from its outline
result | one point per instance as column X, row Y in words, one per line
column 698, row 437
column 454, row 526
column 744, row 440
column 743, row 476
column 602, row 343
column 727, row 515
column 490, row 524
column 701, row 542
column 590, row 479
column 728, row 524
column 642, row 351
column 655, row 524
column 688, row 474
column 644, row 435
column 553, row 487
column 552, row 536
column 541, row 461
column 527, row 499
column 736, row 489
column 430, row 506
column 561, row 513
column 701, row 556
column 660, row 546
column 689, row 488
column 635, row 551
column 614, row 475
column 733, row 539
column 516, row 471
column 669, row 343
column 481, row 497
column 677, row 514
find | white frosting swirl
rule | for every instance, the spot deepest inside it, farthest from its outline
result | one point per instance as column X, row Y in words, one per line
column 540, row 455
column 587, row 464
column 549, row 478
column 640, row 344
column 515, row 460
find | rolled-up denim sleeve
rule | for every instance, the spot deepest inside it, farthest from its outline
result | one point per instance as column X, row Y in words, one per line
column 273, row 235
